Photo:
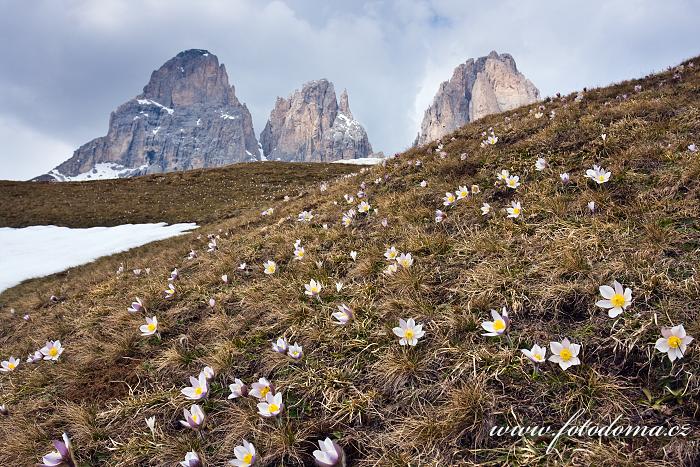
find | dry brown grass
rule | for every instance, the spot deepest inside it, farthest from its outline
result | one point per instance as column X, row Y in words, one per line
column 430, row 405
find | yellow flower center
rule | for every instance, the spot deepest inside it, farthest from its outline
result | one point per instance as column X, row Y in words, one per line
column 11, row 366
column 511, row 182
column 537, row 356
column 674, row 342
column 499, row 325
column 273, row 408
column 194, row 418
column 601, row 178
column 151, row 327
column 516, row 211
column 618, row 300
column 565, row 354
column 408, row 334
column 198, row 390
column 248, row 458
column 264, row 391
column 53, row 351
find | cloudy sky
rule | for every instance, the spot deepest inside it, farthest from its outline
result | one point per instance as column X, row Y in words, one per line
column 65, row 65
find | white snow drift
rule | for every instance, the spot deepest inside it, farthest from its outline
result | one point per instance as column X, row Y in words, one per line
column 47, row 249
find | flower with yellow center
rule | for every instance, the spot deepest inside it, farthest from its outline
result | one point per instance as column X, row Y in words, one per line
column 565, row 353
column 199, row 387
column 191, row 460
column 512, row 181
column 391, row 253
column 313, row 288
column 194, row 418
column 405, row 260
column 673, row 342
column 499, row 325
column 150, row 328
column 363, row 207
column 261, row 389
column 449, row 199
column 536, row 354
column 299, row 253
column 9, row 365
column 245, row 455
column 270, row 267
column 615, row 299
column 462, row 192
column 52, row 350
column 598, row 174
column 409, row 332
column 514, row 210
column 272, row 406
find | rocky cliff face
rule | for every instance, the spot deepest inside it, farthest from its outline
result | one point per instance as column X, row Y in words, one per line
column 311, row 125
column 187, row 117
column 477, row 88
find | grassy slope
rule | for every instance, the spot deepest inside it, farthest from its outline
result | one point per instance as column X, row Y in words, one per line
column 434, row 404
column 205, row 195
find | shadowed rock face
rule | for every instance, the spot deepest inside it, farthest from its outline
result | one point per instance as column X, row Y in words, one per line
column 310, row 125
column 187, row 117
column 477, row 88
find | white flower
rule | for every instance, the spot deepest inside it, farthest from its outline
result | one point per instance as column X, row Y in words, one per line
column 245, row 455
column 323, row 187
column 391, row 269
column 692, row 148
column 405, row 260
column 540, row 164
column 539, row 115
column 151, row 423
column 191, row 460
column 136, row 306
column 502, row 175
column 270, row 267
column 439, row 216
column 330, row 454
column 391, row 253
column 476, row 190
column 242, row 266
column 338, row 286
column 37, row 356
column 347, row 220
column 343, row 315
column 491, row 140
column 564, row 353
column 598, row 174
column 514, row 210
column 349, row 198
column 449, row 199
column 199, row 388
column 305, row 216
column 150, row 328
column 224, row 278
column 591, row 206
column 194, row 418
column 499, row 325
column 409, row 332
column 462, row 192
column 272, row 406
column 423, row 183
column 299, row 253
column 537, row 354
column 565, row 178
column 313, row 288
column 280, row 346
column 485, row 209
column 353, row 255
column 261, row 389
column 603, row 136
column 238, row 389
column 385, row 222
column 295, row 351
column 9, row 365
column 52, row 350
column 615, row 300
column 363, row 207
column 512, row 181
column 674, row 342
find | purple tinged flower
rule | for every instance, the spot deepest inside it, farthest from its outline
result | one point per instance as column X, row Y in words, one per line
column 330, row 454
column 212, row 303
column 37, row 356
column 565, row 178
column 137, row 306
column 238, row 389
column 295, row 351
column 199, row 387
column 280, row 346
column 174, row 274
column 272, row 406
column 52, row 350
column 3, row 411
column 194, row 418
column 169, row 292
column 191, row 460
column 62, row 456
column 26, row 317
column 245, row 455
column 343, row 315
column 208, row 373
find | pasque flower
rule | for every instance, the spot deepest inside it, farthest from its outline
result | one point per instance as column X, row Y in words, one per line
column 598, row 174
column 136, row 306
column 449, row 199
column 238, row 389
column 52, row 350
column 363, row 207
column 37, row 356
column 272, row 406
column 280, row 346
column 485, row 209
column 169, row 292
column 462, row 192
column 673, row 342
column 198, row 389
column 514, row 210
column 62, row 456
column 150, row 328
column 194, row 418
column 439, row 216
column 405, row 260
column 9, row 365
column 615, row 299
column 499, row 325
column 313, row 288
column 305, row 216
column 536, row 355
column 512, row 181
column 343, row 315
column 564, row 353
column 409, row 332
column 245, row 455
column 261, row 389
column 295, row 351
column 391, row 253
column 270, row 267
column 329, row 454
column 540, row 164
column 191, row 460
